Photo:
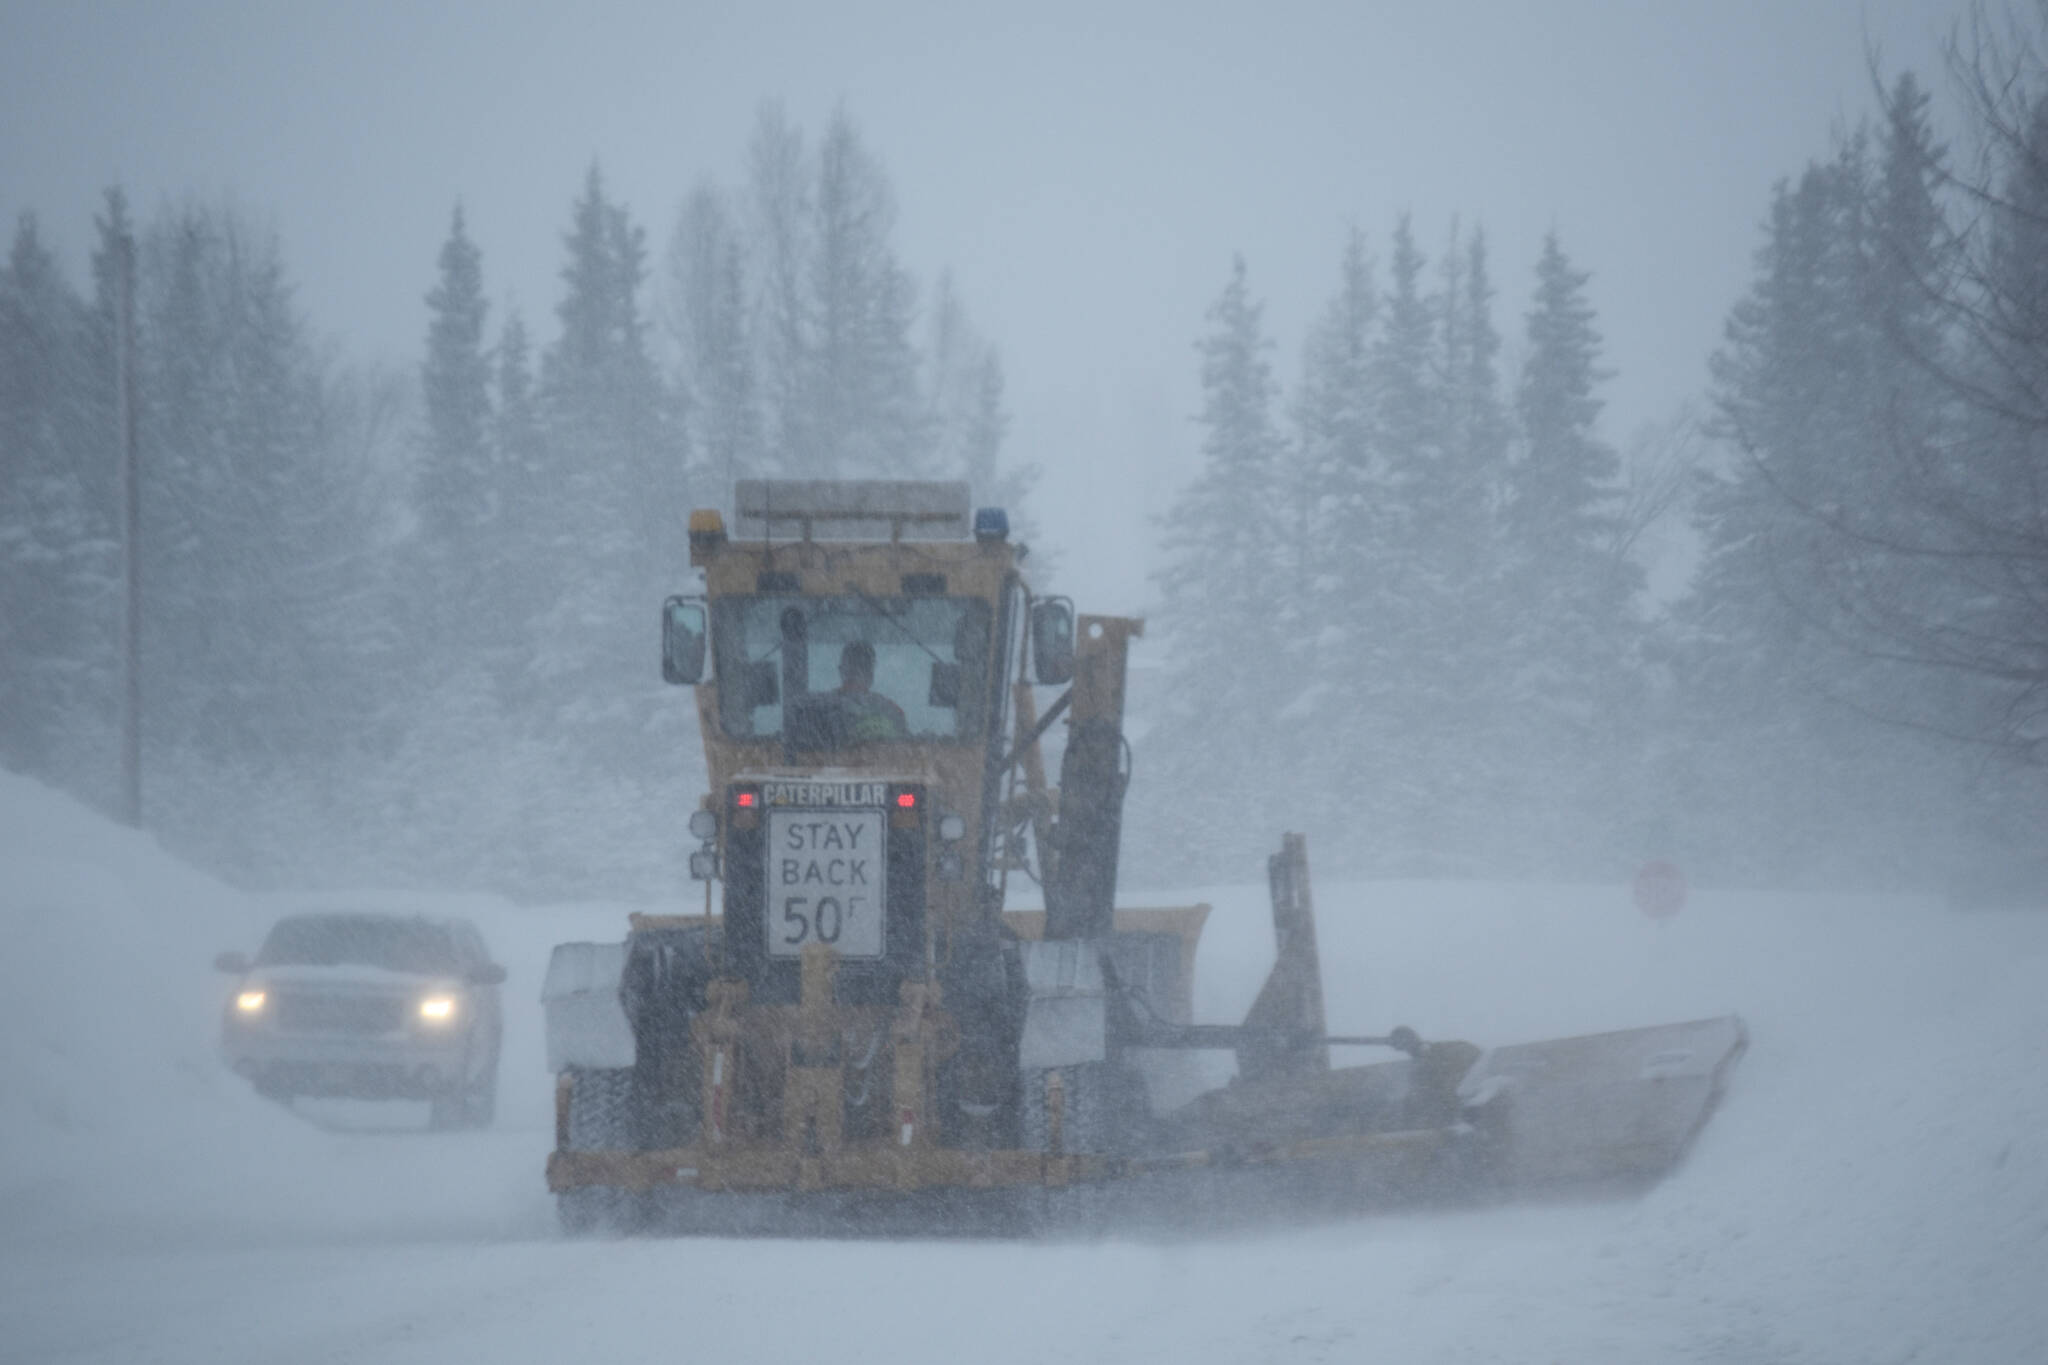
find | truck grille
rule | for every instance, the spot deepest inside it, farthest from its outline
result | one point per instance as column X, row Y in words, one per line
column 308, row 1013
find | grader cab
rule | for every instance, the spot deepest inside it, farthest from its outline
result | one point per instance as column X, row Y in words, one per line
column 860, row 1037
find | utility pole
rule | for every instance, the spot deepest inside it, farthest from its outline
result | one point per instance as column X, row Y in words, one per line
column 131, row 524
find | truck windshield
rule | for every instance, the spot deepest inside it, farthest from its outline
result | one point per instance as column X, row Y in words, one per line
column 397, row 944
column 833, row 672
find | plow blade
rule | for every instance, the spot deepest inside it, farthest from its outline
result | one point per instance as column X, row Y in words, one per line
column 1606, row 1108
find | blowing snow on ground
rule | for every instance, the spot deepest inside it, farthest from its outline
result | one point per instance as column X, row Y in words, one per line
column 1873, row 1189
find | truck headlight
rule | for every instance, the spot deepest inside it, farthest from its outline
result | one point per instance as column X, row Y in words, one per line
column 250, row 1002
column 437, row 1009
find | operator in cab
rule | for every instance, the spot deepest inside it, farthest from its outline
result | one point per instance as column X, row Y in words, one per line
column 869, row 714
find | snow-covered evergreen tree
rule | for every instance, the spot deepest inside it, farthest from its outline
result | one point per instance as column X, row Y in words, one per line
column 458, row 495
column 866, row 415
column 456, row 483
column 1479, row 429
column 1227, row 613
column 1337, row 494
column 710, row 291
column 1826, row 399
column 1757, row 668
column 1424, row 568
column 57, row 458
column 254, row 525
column 525, row 527
column 1406, row 399
column 617, row 483
column 1569, row 588
column 1461, row 631
column 608, row 418
column 1559, row 508
column 1339, row 516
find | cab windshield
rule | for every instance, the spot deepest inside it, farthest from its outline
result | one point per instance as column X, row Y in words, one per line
column 835, row 672
column 396, row 944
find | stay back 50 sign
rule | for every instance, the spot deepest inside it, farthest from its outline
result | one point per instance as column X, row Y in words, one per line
column 825, row 881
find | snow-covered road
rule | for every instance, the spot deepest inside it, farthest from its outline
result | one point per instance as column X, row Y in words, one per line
column 1477, row 1287
column 1875, row 1189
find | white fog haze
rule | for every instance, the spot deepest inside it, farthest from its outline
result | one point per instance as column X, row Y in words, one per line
column 1568, row 476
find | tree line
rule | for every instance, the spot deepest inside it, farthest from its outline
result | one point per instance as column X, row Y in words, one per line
column 1405, row 608
column 1398, row 605
column 398, row 624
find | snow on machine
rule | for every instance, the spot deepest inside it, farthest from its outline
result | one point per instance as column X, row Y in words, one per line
column 864, row 1040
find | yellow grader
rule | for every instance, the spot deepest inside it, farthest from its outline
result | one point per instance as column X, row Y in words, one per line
column 861, row 1039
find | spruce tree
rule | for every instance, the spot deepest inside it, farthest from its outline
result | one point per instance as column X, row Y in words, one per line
column 458, row 493
column 1469, row 643
column 1419, row 578
column 1910, row 252
column 617, row 491
column 618, row 454
column 1227, row 613
column 1761, row 670
column 1570, row 589
column 709, row 283
column 1905, row 419
column 456, row 482
column 1787, row 401
column 1408, row 408
column 259, row 546
column 1337, row 496
column 1559, row 509
column 523, row 552
column 1339, row 517
column 866, row 415
column 1480, row 430
column 1403, row 393
column 54, row 531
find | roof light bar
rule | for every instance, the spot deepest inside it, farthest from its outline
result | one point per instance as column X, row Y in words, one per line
column 858, row 509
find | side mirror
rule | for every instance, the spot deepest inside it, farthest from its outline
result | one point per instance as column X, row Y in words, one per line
column 945, row 688
column 490, row 974
column 682, row 640
column 234, row 964
column 1052, row 640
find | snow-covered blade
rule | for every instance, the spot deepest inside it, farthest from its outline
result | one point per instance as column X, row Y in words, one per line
column 1606, row 1107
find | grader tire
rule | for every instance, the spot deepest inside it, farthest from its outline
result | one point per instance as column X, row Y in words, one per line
column 600, row 1120
column 600, row 1110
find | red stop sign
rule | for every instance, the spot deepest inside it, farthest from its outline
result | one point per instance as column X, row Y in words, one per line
column 1660, row 890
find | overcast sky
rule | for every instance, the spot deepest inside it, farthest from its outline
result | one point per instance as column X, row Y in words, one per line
column 1086, row 171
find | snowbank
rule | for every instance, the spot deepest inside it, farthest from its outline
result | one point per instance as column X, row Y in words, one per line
column 114, row 1101
column 118, row 1121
